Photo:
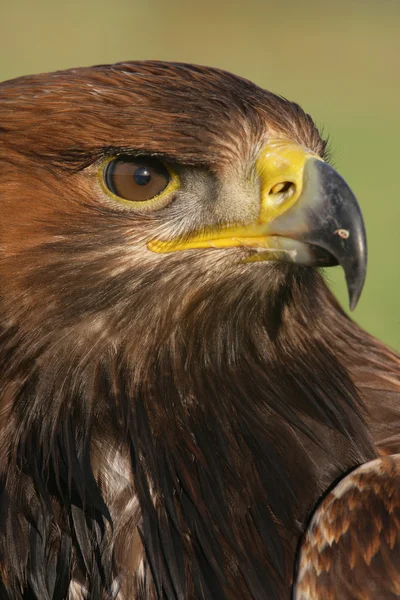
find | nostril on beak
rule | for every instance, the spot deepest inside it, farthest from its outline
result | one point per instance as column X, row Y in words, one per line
column 283, row 187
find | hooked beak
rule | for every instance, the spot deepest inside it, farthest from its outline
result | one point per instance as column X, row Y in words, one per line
column 308, row 215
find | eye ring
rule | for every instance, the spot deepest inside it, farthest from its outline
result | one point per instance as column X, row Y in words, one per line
column 138, row 182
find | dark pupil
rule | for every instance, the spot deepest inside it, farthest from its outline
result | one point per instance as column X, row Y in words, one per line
column 142, row 176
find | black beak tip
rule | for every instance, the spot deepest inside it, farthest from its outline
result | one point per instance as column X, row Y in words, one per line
column 341, row 228
column 354, row 263
column 354, row 290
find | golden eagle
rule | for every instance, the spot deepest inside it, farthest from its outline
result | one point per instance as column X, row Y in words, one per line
column 185, row 410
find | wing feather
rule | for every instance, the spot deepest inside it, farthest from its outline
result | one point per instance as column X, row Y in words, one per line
column 351, row 548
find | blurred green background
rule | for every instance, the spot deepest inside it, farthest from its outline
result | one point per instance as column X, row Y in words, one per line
column 340, row 60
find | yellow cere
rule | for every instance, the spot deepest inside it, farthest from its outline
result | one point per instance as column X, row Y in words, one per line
column 280, row 163
column 280, row 169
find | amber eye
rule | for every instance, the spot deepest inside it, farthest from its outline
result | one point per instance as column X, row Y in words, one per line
column 136, row 179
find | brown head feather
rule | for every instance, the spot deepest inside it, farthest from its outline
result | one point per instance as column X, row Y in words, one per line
column 200, row 404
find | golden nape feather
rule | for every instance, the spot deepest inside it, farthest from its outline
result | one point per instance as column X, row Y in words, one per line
column 186, row 413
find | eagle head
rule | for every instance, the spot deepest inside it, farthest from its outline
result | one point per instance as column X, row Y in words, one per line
column 174, row 395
